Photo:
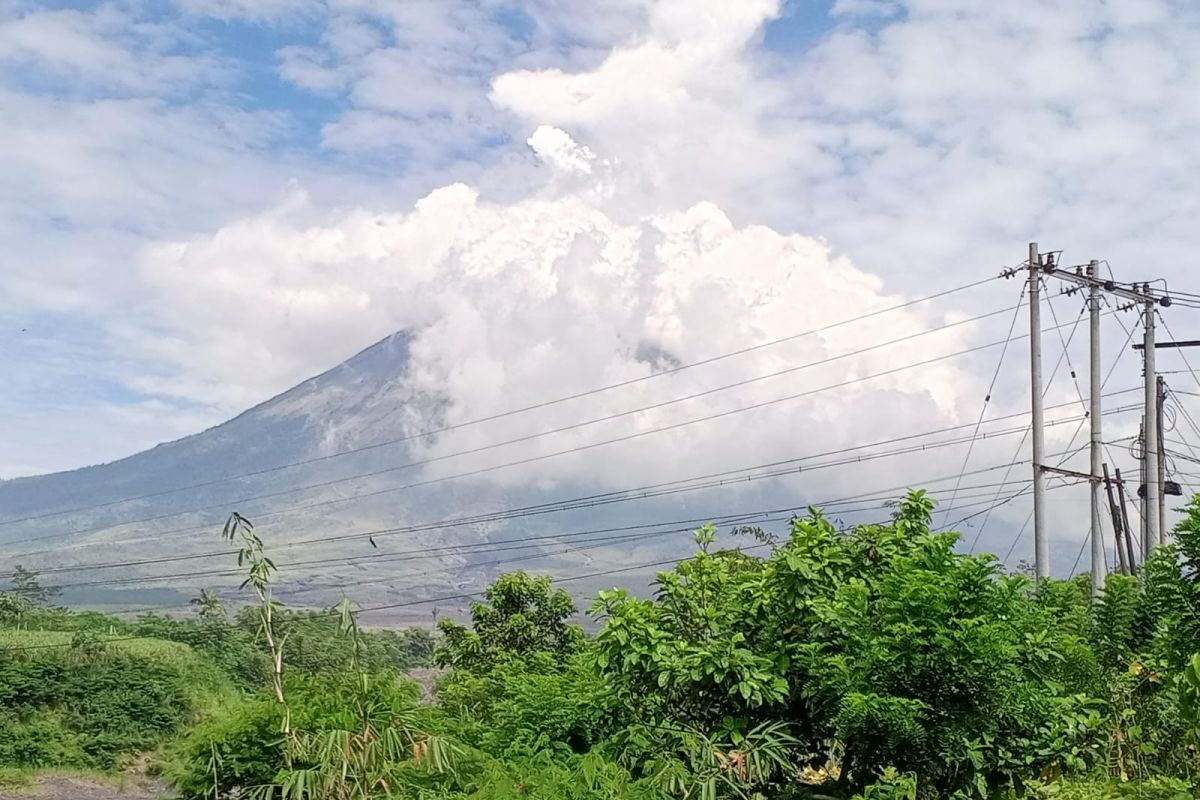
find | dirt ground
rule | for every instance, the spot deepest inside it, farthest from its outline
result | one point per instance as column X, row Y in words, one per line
column 64, row 787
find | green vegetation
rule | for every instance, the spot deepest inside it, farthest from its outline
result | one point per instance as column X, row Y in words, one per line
column 876, row 663
column 72, row 700
column 84, row 690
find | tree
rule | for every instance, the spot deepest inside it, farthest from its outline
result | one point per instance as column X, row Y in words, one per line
column 521, row 617
column 874, row 647
column 13, row 609
column 25, row 584
column 210, row 609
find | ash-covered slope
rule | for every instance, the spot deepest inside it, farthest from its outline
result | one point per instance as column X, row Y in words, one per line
column 342, row 408
column 362, row 402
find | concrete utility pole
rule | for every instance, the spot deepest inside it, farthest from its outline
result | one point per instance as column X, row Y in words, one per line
column 1150, row 530
column 1095, row 415
column 1161, row 391
column 1041, row 548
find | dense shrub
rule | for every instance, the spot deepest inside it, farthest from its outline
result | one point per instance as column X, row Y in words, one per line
column 242, row 746
column 238, row 746
column 876, row 662
column 86, row 704
column 881, row 640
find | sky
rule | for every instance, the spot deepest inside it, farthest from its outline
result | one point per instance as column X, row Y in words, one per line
column 204, row 202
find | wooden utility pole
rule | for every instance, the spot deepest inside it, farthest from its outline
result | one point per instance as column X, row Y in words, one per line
column 1118, row 528
column 1125, row 524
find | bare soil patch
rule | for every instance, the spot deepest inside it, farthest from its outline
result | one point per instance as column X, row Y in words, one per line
column 69, row 787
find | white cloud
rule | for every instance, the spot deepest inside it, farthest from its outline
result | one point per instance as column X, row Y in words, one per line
column 684, row 105
column 925, row 141
column 514, row 303
column 554, row 146
column 281, row 11
column 106, row 49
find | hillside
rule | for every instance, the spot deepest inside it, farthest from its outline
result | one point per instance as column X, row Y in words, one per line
column 80, row 517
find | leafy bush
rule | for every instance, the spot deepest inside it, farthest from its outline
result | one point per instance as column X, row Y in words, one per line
column 239, row 746
column 527, row 711
column 83, row 703
column 343, row 728
column 882, row 639
column 1159, row 788
column 550, row 776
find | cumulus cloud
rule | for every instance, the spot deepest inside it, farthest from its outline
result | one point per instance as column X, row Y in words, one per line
column 515, row 303
column 648, row 178
column 683, row 104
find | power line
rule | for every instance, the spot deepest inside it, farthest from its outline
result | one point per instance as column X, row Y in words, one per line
column 1024, row 527
column 620, row 534
column 1181, row 351
column 987, row 397
column 590, row 545
column 406, row 604
column 1087, row 538
column 1049, row 384
column 597, row 541
column 633, row 538
column 1066, row 343
column 378, row 558
column 711, row 480
column 512, row 412
column 1020, row 533
column 520, row 462
column 1185, row 414
column 727, row 520
column 372, row 535
column 991, row 507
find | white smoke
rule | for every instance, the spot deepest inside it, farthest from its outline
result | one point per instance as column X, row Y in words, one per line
column 516, row 303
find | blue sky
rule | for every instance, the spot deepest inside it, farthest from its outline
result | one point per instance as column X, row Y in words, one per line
column 231, row 62
column 206, row 201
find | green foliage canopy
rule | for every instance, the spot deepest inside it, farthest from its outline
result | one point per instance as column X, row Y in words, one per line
column 521, row 617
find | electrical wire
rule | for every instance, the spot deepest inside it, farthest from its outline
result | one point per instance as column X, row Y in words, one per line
column 987, row 398
column 712, row 480
column 636, row 538
column 1049, row 384
column 375, row 558
column 406, row 604
column 1180, row 350
column 512, row 412
column 1066, row 343
column 1087, row 537
column 729, row 519
column 520, row 462
column 621, row 534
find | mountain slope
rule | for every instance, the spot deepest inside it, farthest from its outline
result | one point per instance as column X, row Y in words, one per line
column 361, row 402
